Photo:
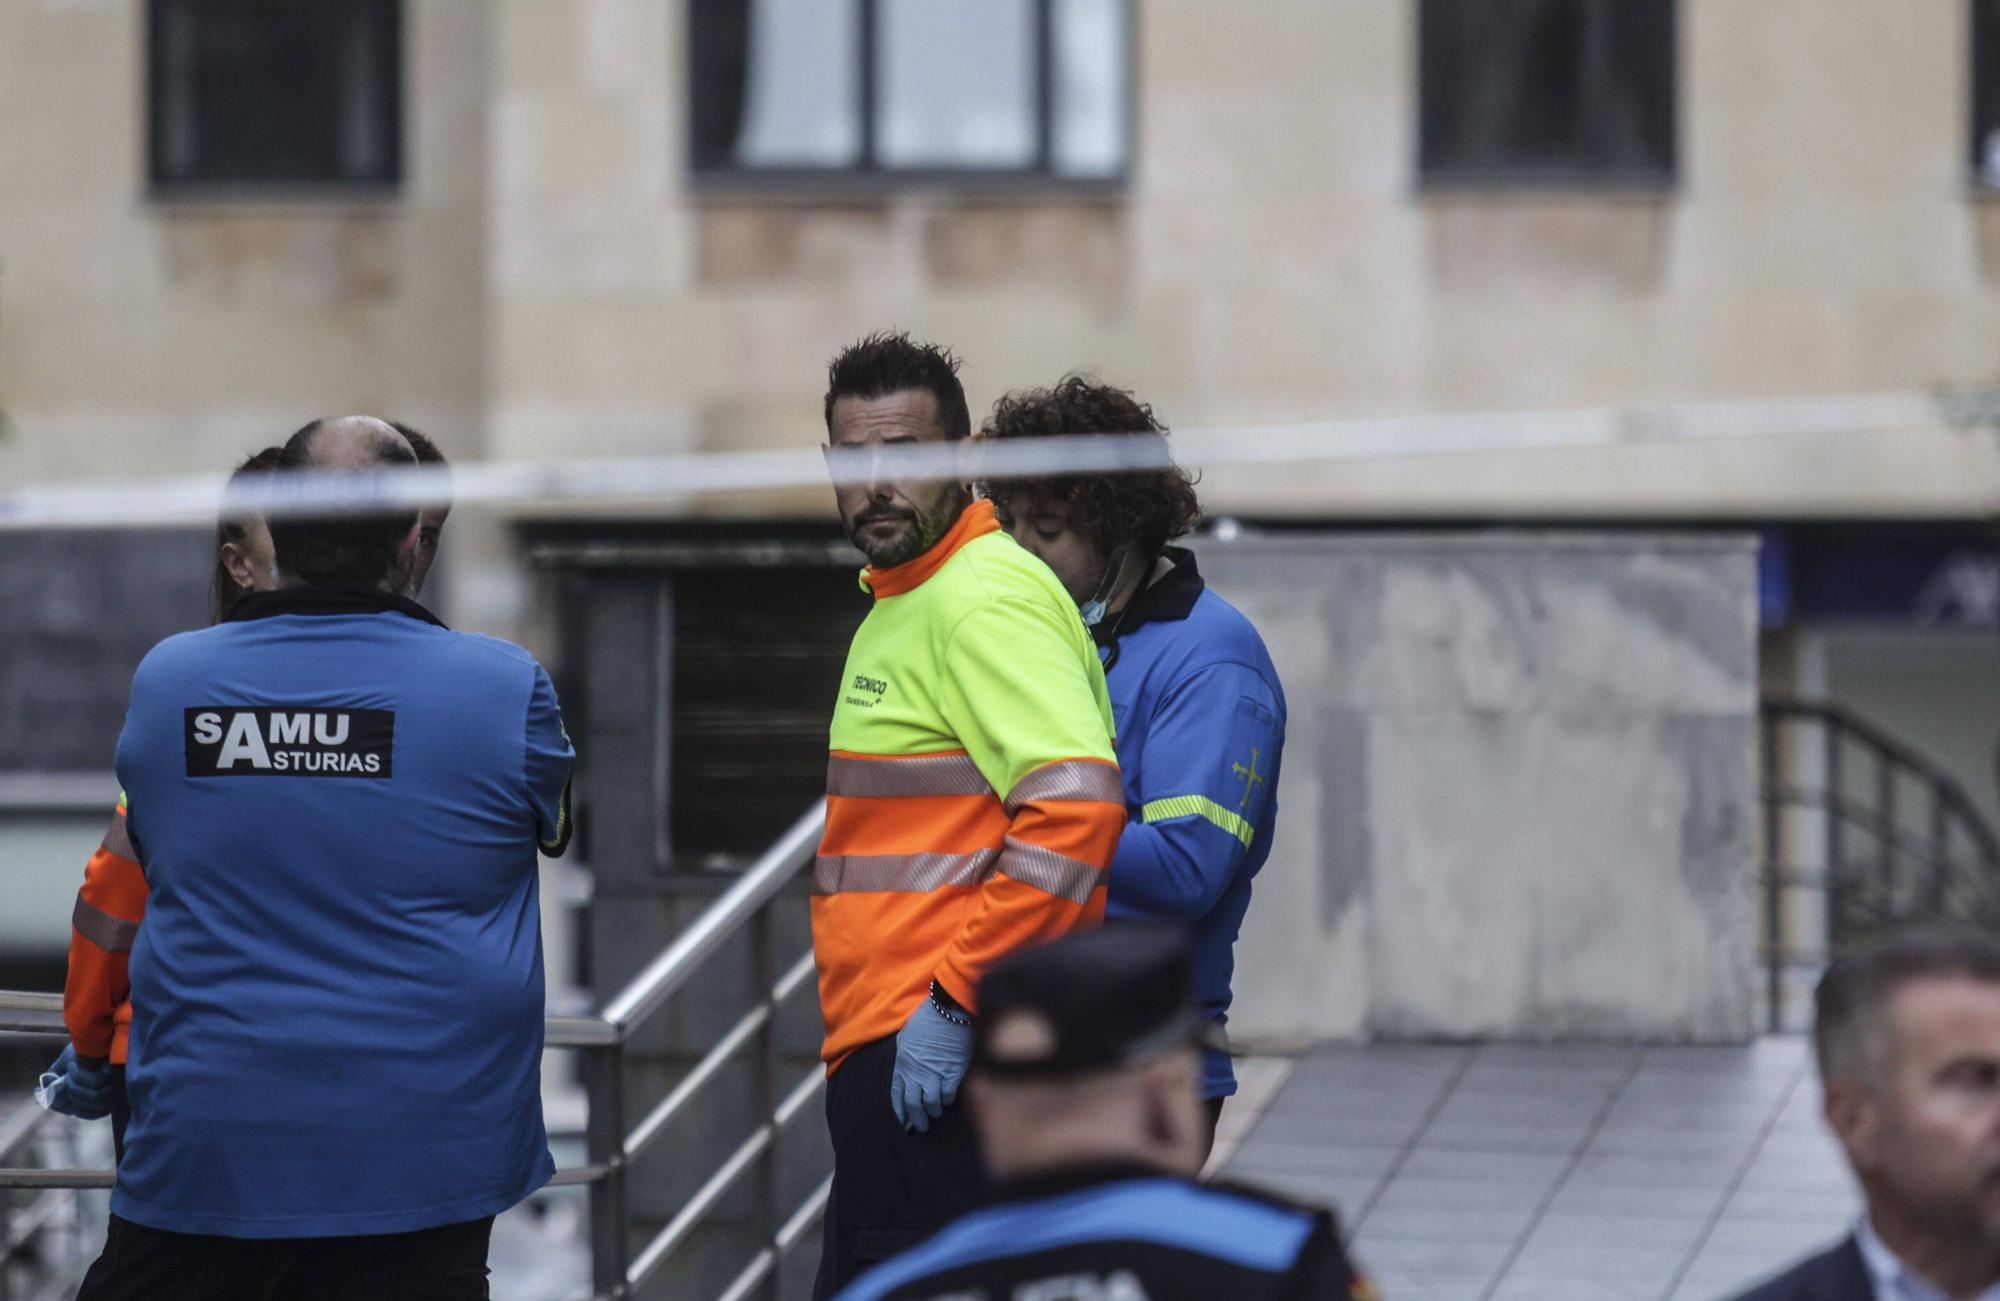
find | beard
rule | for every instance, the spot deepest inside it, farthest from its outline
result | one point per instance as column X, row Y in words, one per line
column 920, row 528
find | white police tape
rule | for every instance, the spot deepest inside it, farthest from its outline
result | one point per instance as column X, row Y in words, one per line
column 679, row 477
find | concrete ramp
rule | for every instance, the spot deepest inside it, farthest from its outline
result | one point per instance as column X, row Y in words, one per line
column 1511, row 1173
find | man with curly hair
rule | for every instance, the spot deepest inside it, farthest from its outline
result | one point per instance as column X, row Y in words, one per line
column 1200, row 713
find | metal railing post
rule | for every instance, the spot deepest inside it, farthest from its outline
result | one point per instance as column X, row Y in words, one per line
column 764, row 969
column 604, row 1140
column 1836, row 838
column 1885, row 800
column 6, row 1255
column 1774, row 886
column 1940, row 883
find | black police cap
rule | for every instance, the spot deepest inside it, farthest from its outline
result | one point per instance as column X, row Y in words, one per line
column 1088, row 1002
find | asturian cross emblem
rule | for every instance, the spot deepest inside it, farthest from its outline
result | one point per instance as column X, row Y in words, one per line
column 1250, row 777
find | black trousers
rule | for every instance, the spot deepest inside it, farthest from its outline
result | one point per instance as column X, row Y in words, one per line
column 891, row 1188
column 447, row 1263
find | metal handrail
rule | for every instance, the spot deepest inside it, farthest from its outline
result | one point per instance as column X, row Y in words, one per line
column 711, row 1191
column 602, row 1036
column 31, row 1016
column 722, row 919
column 1862, row 818
column 726, row 1047
column 19, row 1127
column 788, row 1236
column 1921, row 767
column 1952, row 869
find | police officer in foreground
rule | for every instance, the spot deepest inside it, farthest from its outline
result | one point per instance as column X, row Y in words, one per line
column 1083, row 1081
column 337, row 992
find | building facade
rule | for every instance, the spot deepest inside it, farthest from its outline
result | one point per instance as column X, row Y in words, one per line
column 573, row 228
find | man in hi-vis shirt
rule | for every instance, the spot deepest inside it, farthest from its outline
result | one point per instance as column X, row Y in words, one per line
column 973, row 802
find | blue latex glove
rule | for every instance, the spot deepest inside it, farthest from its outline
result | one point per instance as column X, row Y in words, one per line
column 931, row 1056
column 75, row 1089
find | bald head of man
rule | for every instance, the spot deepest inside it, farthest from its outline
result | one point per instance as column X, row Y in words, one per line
column 347, row 546
column 350, row 443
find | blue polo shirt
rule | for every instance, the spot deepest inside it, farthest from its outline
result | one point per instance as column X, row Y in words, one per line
column 1201, row 732
column 337, row 992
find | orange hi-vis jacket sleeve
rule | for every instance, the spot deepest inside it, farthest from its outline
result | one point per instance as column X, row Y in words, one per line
column 973, row 796
column 97, row 996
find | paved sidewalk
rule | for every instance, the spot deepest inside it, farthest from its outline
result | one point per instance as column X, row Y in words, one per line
column 1559, row 1173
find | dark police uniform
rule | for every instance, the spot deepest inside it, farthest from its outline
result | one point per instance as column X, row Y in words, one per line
column 1105, row 1001
column 1123, row 1233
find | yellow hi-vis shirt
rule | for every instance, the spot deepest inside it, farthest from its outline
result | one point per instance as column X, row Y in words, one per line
column 973, row 799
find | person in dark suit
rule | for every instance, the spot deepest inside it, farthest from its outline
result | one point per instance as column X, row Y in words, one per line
column 1836, row 1274
column 1907, row 1036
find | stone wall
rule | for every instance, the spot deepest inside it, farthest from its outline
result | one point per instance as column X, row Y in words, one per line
column 1276, row 259
column 1518, row 798
column 548, row 281
column 145, row 336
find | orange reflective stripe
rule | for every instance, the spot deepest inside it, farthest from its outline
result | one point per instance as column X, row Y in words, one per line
column 919, row 776
column 950, row 824
column 112, row 934
column 1050, row 872
column 1069, row 779
column 1082, row 831
column 915, row 873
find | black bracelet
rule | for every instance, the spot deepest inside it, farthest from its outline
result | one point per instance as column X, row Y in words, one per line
column 948, row 1007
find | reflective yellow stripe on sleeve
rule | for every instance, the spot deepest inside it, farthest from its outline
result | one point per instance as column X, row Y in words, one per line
column 1198, row 806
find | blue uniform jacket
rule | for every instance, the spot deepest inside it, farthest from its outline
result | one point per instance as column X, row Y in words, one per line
column 1201, row 732
column 337, row 992
column 1124, row 1231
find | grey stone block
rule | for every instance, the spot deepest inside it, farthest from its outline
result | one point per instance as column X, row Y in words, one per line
column 1444, row 1224
column 1422, row 1191
column 1255, row 1160
column 1520, row 1285
column 1824, row 1206
column 1732, row 1141
column 1528, row 810
column 1343, row 1193
column 1338, row 1124
column 1587, row 1196
column 1683, row 1170
column 1466, row 1136
column 1429, row 1286
column 1777, row 1241
column 1448, row 1258
column 1532, row 1172
column 1600, row 1227
column 1600, row 1263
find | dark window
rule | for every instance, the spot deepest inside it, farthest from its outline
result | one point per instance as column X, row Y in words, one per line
column 1555, row 90
column 274, row 93
column 756, row 671
column 910, row 88
column 1985, row 134
column 83, row 608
